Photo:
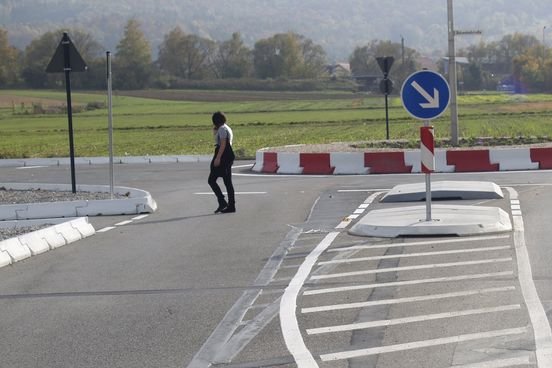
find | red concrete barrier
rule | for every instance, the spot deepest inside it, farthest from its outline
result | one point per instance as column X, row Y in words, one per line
column 386, row 162
column 270, row 162
column 543, row 156
column 316, row 163
column 471, row 160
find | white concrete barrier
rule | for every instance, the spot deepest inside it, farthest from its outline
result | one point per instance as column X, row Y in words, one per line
column 512, row 159
column 137, row 201
column 289, row 163
column 40, row 241
column 348, row 163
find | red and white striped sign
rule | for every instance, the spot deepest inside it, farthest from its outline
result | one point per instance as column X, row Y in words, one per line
column 427, row 148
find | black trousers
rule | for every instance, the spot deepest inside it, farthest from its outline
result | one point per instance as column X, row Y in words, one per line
column 224, row 171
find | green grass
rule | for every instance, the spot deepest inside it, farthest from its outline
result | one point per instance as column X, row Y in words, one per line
column 148, row 126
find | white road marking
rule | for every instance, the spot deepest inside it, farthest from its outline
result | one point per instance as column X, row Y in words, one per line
column 413, row 244
column 288, row 304
column 414, row 299
column 362, row 190
column 516, row 213
column 422, row 344
column 501, row 363
column 400, row 321
column 140, row 217
column 410, row 255
column 122, row 223
column 361, row 209
column 411, row 268
column 29, row 167
column 539, row 320
column 516, row 207
column 407, row 283
column 240, row 193
column 105, row 229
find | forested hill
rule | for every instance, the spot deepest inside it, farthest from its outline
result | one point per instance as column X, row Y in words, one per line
column 337, row 25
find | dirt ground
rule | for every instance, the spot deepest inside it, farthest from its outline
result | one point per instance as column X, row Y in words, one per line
column 18, row 102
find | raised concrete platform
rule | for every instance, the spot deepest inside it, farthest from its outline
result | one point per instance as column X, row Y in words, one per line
column 447, row 220
column 444, row 190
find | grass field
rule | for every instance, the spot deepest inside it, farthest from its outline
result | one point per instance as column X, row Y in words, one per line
column 178, row 122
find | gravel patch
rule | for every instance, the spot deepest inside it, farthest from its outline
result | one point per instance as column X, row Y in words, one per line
column 8, row 196
column 8, row 233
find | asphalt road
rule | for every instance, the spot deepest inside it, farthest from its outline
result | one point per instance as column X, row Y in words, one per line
column 185, row 288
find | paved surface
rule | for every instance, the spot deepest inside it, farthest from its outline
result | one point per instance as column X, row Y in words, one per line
column 182, row 287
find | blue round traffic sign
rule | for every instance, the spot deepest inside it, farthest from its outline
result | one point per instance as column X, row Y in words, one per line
column 425, row 95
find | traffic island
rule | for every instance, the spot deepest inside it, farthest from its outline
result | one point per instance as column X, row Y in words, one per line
column 446, row 220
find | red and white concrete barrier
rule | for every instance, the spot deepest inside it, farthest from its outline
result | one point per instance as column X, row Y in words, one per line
column 394, row 162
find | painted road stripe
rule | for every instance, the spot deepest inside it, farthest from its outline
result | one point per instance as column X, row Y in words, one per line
column 400, row 321
column 122, row 223
column 516, row 207
column 413, row 244
column 29, row 167
column 539, row 320
column 140, row 217
column 414, row 299
column 240, row 193
column 501, row 363
column 347, row 221
column 105, row 229
column 422, row 344
column 288, row 304
column 411, row 268
column 410, row 255
column 408, row 282
column 516, row 213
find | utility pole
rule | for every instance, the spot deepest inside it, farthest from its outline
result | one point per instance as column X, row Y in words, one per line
column 452, row 73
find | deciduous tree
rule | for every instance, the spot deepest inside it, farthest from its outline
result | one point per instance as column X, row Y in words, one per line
column 9, row 66
column 132, row 64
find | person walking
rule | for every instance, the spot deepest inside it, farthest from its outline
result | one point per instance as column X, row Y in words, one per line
column 221, row 164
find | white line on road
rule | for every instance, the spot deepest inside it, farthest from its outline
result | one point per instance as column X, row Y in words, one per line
column 238, row 193
column 410, row 255
column 408, row 282
column 411, row 268
column 140, row 217
column 122, row 223
column 29, row 167
column 501, row 363
column 400, row 321
column 414, row 299
column 422, row 344
column 288, row 304
column 539, row 320
column 414, row 244
column 105, row 229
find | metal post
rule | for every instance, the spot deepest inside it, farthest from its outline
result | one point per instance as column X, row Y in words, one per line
column 67, row 69
column 452, row 77
column 110, row 121
column 428, row 188
column 386, row 117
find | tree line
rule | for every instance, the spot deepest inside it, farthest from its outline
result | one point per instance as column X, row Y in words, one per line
column 186, row 58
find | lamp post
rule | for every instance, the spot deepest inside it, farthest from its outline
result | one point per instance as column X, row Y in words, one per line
column 453, row 83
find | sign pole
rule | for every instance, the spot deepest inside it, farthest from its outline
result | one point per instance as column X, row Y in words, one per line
column 67, row 59
column 110, row 121
column 67, row 69
column 427, row 149
column 386, row 117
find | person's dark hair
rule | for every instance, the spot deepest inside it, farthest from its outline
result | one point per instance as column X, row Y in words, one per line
column 219, row 118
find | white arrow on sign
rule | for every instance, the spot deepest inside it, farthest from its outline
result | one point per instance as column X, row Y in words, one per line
column 432, row 101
